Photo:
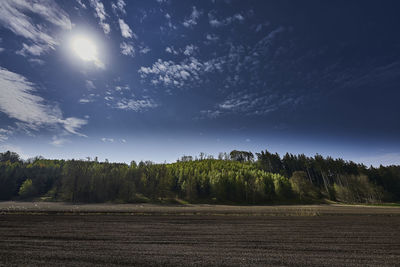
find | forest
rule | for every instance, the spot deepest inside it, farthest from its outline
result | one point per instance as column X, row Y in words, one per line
column 238, row 177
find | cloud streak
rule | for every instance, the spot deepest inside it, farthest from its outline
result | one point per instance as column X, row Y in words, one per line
column 135, row 104
column 193, row 18
column 101, row 14
column 126, row 32
column 19, row 101
column 14, row 16
column 170, row 73
column 215, row 22
column 127, row 49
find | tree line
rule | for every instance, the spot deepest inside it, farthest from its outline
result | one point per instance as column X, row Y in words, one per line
column 239, row 177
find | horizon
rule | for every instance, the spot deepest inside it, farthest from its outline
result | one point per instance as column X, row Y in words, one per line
column 156, row 80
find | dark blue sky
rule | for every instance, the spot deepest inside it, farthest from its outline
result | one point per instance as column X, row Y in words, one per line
column 156, row 79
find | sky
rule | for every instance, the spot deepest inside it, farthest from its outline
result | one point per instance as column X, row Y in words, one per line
column 157, row 79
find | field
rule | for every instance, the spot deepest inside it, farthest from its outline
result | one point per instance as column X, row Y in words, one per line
column 80, row 235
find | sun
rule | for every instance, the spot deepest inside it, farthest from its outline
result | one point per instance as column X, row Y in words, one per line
column 84, row 48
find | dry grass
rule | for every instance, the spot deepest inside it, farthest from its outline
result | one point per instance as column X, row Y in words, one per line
column 188, row 209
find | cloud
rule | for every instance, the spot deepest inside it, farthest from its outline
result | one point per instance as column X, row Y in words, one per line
column 261, row 26
column 144, row 50
column 259, row 103
column 135, row 104
column 109, row 140
column 212, row 37
column 171, row 50
column 35, row 50
column 212, row 114
column 100, row 14
column 190, row 50
column 168, row 17
column 36, row 61
column 235, row 103
column 194, row 17
column 120, row 88
column 127, row 49
column 85, row 100
column 18, row 101
column 73, row 124
column 4, row 133
column 15, row 16
column 90, row 85
column 170, row 73
column 120, row 6
column 81, row 4
column 58, row 141
column 214, row 22
column 126, row 32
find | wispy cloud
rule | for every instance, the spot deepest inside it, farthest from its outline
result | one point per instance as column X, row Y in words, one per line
column 88, row 98
column 212, row 114
column 215, row 22
column 15, row 16
column 4, row 134
column 35, row 50
column 193, row 18
column 119, row 6
column 243, row 103
column 19, row 101
column 109, row 140
column 135, row 104
column 85, row 100
column 190, row 50
column 171, row 50
column 144, row 50
column 36, row 61
column 127, row 49
column 212, row 37
column 126, row 32
column 90, row 85
column 101, row 14
column 58, row 141
column 170, row 73
column 81, row 4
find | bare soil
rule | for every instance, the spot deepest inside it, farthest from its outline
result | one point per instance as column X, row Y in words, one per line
column 198, row 235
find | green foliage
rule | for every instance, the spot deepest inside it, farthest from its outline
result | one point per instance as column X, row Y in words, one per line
column 10, row 157
column 283, row 189
column 233, row 178
column 358, row 189
column 303, row 187
column 241, row 156
column 27, row 189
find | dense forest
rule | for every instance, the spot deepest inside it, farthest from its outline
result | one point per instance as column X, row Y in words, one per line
column 239, row 177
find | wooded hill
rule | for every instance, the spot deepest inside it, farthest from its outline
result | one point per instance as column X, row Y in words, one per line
column 236, row 178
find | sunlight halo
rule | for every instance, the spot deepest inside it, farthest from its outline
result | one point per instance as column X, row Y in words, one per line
column 86, row 50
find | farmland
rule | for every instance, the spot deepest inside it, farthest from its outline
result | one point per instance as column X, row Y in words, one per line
column 145, row 234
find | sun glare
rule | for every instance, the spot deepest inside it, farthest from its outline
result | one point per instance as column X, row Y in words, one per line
column 84, row 48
